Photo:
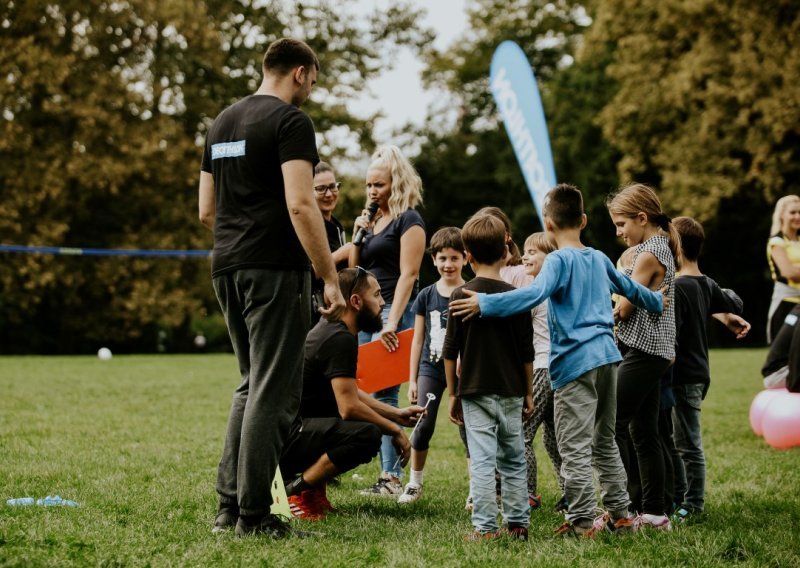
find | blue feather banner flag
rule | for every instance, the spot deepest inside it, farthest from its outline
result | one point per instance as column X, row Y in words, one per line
column 517, row 97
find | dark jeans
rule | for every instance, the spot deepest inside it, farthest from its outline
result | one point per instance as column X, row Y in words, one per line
column 268, row 317
column 691, row 471
column 638, row 395
column 347, row 443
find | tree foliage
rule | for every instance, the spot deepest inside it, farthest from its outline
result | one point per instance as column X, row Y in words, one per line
column 105, row 106
column 708, row 96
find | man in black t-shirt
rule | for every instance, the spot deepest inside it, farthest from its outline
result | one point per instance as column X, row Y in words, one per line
column 255, row 193
column 339, row 426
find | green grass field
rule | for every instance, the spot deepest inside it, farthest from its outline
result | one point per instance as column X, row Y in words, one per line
column 136, row 441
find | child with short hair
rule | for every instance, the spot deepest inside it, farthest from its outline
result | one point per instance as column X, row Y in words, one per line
column 537, row 246
column 493, row 392
column 696, row 298
column 426, row 369
column 577, row 280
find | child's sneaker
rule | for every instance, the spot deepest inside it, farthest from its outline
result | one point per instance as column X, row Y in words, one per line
column 682, row 515
column 516, row 532
column 411, row 493
column 468, row 504
column 580, row 529
column 384, row 487
column 562, row 506
column 605, row 522
column 476, row 535
column 658, row 522
column 535, row 502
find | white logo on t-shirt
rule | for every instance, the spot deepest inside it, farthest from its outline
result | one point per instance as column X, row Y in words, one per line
column 437, row 336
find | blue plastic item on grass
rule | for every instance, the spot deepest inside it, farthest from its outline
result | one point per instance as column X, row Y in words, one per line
column 20, row 502
column 55, row 500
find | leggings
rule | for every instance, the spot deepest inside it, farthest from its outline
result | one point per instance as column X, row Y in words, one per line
column 542, row 414
column 422, row 437
column 638, row 401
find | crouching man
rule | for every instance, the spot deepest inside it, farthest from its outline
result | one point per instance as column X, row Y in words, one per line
column 339, row 427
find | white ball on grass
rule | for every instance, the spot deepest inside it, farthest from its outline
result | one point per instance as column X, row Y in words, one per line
column 104, row 353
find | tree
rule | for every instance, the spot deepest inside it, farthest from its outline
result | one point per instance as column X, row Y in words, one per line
column 105, row 106
column 708, row 97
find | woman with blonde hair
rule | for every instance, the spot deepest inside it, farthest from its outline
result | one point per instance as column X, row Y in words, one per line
column 783, row 255
column 392, row 250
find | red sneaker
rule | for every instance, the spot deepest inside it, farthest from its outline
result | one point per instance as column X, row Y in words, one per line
column 322, row 498
column 306, row 505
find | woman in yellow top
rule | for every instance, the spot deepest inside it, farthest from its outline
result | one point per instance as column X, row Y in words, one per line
column 783, row 254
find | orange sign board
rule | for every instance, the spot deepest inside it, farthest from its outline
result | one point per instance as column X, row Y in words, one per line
column 380, row 369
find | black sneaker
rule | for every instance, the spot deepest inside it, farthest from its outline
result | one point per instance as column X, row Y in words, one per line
column 269, row 525
column 516, row 532
column 227, row 516
column 562, row 506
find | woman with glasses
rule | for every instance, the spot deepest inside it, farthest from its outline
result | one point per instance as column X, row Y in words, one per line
column 326, row 191
column 392, row 250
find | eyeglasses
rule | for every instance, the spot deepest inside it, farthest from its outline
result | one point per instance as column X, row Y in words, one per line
column 359, row 273
column 333, row 188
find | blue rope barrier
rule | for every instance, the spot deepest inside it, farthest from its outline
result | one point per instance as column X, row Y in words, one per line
column 73, row 251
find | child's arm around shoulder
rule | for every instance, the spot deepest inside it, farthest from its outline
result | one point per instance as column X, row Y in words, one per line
column 511, row 302
column 639, row 295
column 645, row 270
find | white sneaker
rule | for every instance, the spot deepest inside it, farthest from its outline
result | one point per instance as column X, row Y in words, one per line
column 411, row 493
column 384, row 487
column 658, row 522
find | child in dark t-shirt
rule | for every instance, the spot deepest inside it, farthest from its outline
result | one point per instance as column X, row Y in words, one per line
column 696, row 298
column 494, row 391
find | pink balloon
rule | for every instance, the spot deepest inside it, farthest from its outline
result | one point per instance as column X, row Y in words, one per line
column 759, row 405
column 781, row 422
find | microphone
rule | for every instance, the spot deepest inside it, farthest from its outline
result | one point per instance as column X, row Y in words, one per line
column 358, row 240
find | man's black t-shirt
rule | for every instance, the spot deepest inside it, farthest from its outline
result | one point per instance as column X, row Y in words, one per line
column 331, row 352
column 244, row 150
column 493, row 350
column 696, row 298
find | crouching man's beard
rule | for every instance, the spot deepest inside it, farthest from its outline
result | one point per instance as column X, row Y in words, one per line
column 369, row 323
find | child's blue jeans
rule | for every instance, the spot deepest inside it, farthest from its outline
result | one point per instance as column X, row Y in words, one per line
column 494, row 435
